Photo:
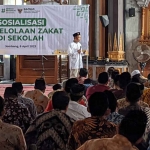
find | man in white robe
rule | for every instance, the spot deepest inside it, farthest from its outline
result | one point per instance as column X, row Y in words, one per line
column 75, row 56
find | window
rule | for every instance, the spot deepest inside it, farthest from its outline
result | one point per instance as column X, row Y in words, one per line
column 12, row 2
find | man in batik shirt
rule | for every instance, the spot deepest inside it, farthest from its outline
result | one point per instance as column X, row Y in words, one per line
column 27, row 101
column 37, row 95
column 114, row 116
column 11, row 137
column 50, row 130
column 123, row 103
column 93, row 127
column 130, row 134
column 15, row 113
column 133, row 95
column 146, row 96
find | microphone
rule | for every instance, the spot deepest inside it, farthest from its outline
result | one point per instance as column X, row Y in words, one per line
column 127, row 63
column 44, row 57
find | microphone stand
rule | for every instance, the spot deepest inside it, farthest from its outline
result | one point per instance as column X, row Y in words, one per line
column 79, row 58
column 79, row 61
column 43, row 67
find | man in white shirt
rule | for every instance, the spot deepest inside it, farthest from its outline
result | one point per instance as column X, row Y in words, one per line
column 75, row 110
column 75, row 55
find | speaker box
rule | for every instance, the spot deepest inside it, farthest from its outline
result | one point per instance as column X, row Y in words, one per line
column 132, row 12
column 104, row 20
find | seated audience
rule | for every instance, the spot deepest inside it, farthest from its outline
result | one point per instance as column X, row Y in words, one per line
column 124, row 103
column 129, row 135
column 133, row 95
column 102, row 86
column 15, row 113
column 37, row 95
column 83, row 73
column 50, row 130
column 27, row 101
column 124, row 80
column 109, row 71
column 137, row 77
column 115, row 73
column 56, row 87
column 145, row 98
column 93, row 127
column 64, row 84
column 49, row 106
column 147, row 84
column 87, row 83
column 11, row 136
column 116, row 84
column 69, row 83
column 113, row 117
column 76, row 111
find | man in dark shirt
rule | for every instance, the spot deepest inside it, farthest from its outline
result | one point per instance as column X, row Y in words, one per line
column 124, row 80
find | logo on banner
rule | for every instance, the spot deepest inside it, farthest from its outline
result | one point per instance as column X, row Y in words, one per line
column 3, row 10
column 82, row 12
column 20, row 11
column 8, row 10
column 31, row 10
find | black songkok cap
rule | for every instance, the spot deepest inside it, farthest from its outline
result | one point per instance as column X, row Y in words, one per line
column 134, row 91
column 76, row 34
column 77, row 90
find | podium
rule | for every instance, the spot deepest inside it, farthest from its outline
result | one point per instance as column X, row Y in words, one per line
column 28, row 68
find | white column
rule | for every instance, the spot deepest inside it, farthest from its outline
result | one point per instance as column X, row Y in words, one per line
column 9, row 2
column 6, row 58
column 19, row 2
column 12, row 2
column 79, row 2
